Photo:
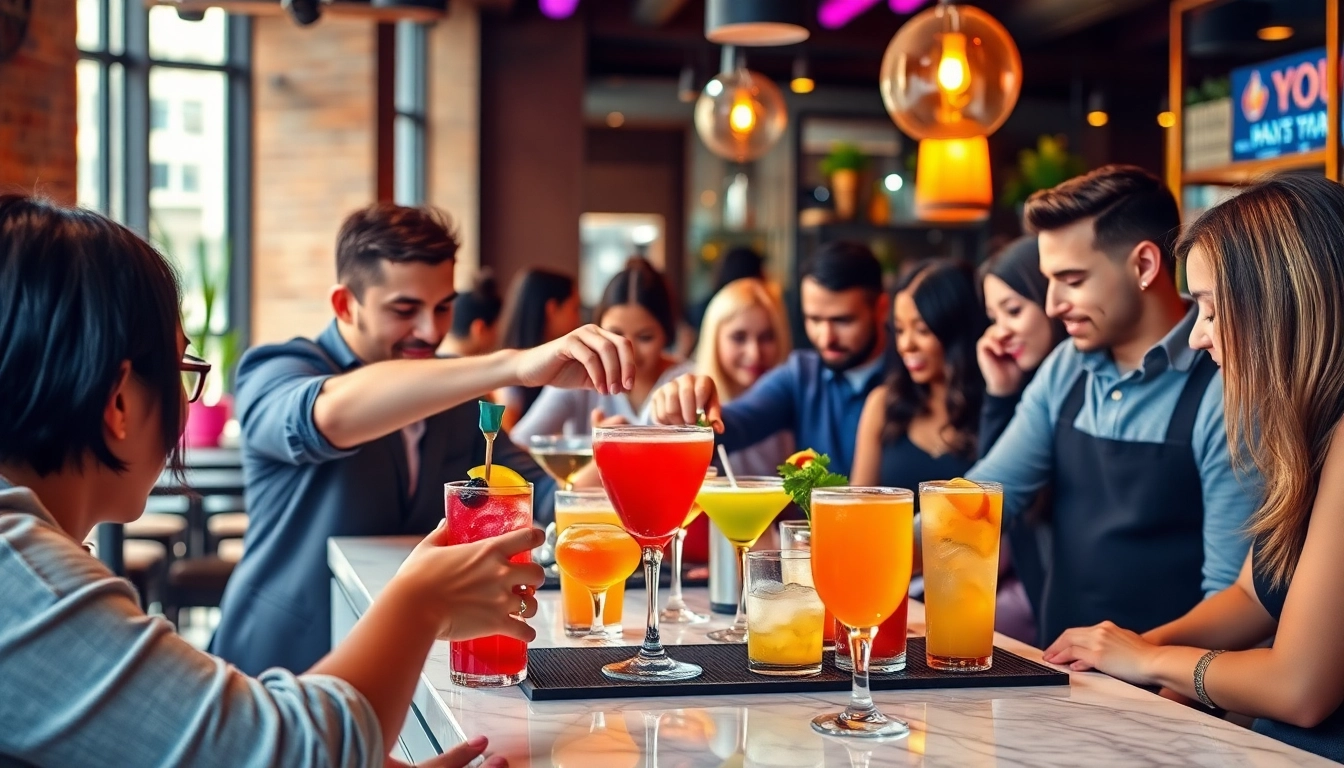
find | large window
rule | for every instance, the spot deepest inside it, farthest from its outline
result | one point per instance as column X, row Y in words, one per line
column 164, row 144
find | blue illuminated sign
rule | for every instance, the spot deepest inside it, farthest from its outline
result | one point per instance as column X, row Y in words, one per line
column 1279, row 107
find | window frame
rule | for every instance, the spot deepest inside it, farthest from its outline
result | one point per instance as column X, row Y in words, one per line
column 410, row 114
column 123, row 118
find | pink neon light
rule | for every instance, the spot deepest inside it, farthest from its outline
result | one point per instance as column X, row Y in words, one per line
column 904, row 7
column 558, row 9
column 834, row 14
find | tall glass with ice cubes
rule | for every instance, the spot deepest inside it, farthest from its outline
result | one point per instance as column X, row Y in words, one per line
column 784, row 614
column 961, row 522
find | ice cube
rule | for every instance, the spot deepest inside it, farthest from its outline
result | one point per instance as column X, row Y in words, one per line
column 766, row 589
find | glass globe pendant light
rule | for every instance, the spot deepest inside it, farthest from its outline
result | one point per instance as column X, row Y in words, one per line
column 951, row 72
column 740, row 115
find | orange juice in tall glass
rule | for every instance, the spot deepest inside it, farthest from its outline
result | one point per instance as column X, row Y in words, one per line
column 862, row 548
column 960, row 522
column 586, row 506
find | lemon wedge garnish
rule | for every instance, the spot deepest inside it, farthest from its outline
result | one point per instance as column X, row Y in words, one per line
column 500, row 477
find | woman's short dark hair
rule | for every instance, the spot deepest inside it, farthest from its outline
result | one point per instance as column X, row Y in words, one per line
column 640, row 284
column 525, row 321
column 944, row 292
column 482, row 303
column 79, row 295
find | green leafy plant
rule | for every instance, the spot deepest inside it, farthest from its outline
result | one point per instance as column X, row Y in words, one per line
column 844, row 156
column 1210, row 89
column 799, row 481
column 221, row 349
column 1041, row 168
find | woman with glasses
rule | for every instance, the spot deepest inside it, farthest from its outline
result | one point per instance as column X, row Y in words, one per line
column 94, row 383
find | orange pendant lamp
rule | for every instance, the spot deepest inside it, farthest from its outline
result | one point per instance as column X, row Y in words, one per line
column 952, row 180
column 950, row 77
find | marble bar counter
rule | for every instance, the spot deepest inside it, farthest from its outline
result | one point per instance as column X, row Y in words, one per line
column 1095, row 721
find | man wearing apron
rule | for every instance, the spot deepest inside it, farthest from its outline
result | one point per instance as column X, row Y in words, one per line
column 1125, row 423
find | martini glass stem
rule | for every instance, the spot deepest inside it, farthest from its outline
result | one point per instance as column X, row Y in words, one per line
column 740, row 621
column 675, row 601
column 598, row 630
column 652, row 648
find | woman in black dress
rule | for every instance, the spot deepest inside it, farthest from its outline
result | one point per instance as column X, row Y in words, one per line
column 1267, row 270
column 921, row 423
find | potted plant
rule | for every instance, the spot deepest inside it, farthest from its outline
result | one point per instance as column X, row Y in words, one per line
column 207, row 417
column 842, row 166
column 1041, row 168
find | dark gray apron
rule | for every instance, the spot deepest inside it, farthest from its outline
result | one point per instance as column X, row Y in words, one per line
column 1128, row 521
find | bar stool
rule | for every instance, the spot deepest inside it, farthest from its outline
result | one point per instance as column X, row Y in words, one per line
column 170, row 530
column 225, row 518
column 196, row 582
column 145, row 562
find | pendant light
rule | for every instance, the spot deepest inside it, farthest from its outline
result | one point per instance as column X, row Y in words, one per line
column 951, row 72
column 756, row 22
column 952, row 180
column 740, row 114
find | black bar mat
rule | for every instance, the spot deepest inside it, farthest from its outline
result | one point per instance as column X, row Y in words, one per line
column 555, row 674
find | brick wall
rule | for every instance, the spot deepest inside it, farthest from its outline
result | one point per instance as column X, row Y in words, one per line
column 314, row 163
column 453, row 130
column 37, row 106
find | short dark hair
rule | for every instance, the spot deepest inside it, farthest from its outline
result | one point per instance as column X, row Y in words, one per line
column 640, row 284
column 482, row 303
column 1130, row 206
column 843, row 266
column 525, row 324
column 396, row 233
column 79, row 295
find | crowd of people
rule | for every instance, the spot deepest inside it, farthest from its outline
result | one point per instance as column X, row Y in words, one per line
column 1170, row 475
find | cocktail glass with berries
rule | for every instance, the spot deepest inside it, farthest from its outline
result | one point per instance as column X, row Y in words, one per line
column 478, row 511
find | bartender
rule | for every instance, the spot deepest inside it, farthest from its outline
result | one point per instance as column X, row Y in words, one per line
column 1126, row 422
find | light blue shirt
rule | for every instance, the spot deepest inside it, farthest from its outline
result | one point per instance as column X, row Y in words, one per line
column 89, row 680
column 1134, row 407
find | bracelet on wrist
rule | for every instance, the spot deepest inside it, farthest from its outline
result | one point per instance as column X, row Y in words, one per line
column 1200, row 669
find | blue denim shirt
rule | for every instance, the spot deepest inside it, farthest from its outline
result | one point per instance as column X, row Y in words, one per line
column 819, row 406
column 89, row 680
column 301, row 490
column 1135, row 407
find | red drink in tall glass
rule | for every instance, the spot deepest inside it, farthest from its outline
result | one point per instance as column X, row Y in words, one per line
column 475, row 514
column 652, row 483
column 888, row 648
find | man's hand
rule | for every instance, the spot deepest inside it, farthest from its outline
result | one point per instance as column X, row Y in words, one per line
column 684, row 399
column 589, row 358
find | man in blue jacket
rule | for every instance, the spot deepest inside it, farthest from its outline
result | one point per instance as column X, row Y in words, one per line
column 354, row 433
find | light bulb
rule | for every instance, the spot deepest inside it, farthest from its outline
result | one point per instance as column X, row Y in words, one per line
column 740, row 115
column 950, row 72
column 953, row 69
column 742, row 118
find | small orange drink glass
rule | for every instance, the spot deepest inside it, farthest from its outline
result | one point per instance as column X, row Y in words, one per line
column 961, row 523
column 862, row 548
column 586, row 506
column 597, row 556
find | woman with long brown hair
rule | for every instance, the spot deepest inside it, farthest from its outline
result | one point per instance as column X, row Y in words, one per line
column 1267, row 269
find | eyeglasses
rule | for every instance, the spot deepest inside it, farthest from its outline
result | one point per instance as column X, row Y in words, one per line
column 193, row 370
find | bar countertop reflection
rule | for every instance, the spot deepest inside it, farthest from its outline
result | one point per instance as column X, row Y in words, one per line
column 1095, row 721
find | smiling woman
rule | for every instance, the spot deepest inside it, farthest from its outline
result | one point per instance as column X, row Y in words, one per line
column 921, row 424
